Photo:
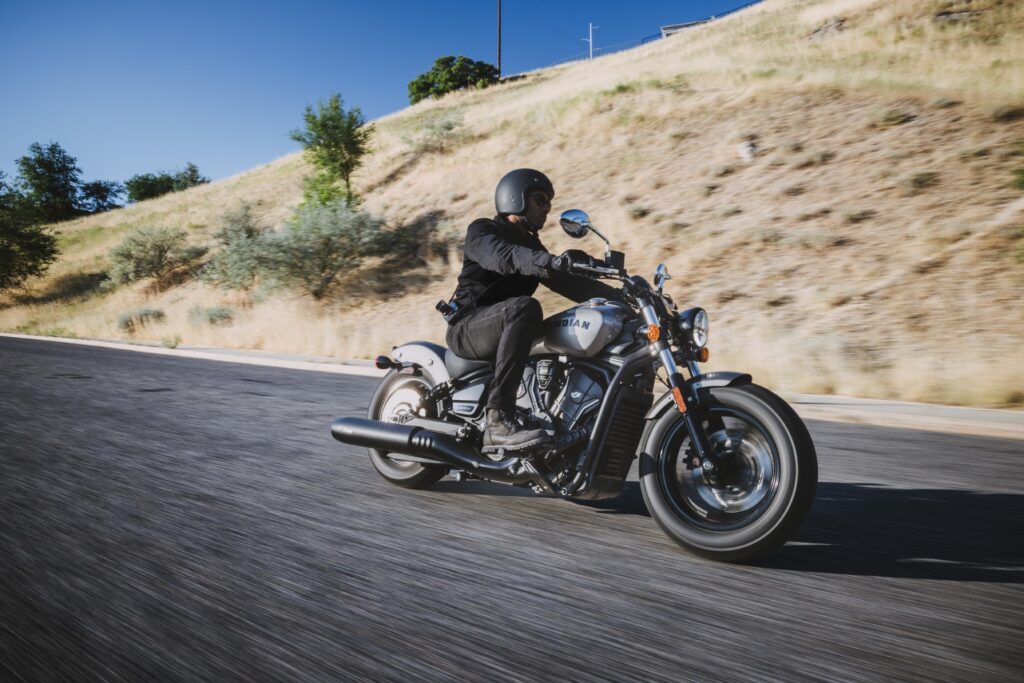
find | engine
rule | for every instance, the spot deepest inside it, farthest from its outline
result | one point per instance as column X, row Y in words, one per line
column 564, row 397
column 558, row 394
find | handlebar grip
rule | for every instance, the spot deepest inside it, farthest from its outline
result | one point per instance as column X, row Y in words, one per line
column 596, row 270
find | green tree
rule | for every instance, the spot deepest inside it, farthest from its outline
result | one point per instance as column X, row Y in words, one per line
column 151, row 185
column 26, row 250
column 50, row 179
column 100, row 195
column 319, row 245
column 449, row 74
column 335, row 141
column 156, row 253
column 148, row 185
column 189, row 177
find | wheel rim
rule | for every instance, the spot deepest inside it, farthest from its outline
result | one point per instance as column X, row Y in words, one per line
column 751, row 466
column 398, row 404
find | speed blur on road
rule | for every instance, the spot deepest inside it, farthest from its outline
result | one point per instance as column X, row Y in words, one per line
column 175, row 519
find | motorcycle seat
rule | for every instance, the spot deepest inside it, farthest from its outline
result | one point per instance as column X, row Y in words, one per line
column 458, row 366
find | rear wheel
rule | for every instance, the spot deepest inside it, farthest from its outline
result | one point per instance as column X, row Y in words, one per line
column 397, row 395
column 764, row 489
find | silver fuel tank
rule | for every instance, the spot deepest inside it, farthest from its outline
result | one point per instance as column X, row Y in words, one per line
column 581, row 331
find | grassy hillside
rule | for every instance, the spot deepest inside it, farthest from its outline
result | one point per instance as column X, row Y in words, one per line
column 873, row 244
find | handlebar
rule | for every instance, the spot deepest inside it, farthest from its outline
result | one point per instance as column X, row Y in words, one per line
column 585, row 269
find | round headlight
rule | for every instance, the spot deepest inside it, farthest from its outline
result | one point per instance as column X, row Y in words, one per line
column 694, row 325
column 701, row 327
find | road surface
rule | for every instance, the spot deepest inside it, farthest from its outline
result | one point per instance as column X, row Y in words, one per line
column 181, row 519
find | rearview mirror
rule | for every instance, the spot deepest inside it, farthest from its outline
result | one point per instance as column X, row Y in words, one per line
column 660, row 277
column 576, row 223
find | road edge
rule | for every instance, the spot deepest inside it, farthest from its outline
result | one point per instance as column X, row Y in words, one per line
column 994, row 423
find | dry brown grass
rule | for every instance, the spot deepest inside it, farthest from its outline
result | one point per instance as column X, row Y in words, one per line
column 824, row 264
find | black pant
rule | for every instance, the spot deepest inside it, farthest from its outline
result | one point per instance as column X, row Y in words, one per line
column 502, row 332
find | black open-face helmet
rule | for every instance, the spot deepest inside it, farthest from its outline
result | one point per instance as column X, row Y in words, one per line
column 510, row 195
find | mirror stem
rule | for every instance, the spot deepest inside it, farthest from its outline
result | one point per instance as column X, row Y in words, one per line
column 607, row 244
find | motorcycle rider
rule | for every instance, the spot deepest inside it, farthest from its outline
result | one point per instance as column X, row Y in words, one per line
column 496, row 317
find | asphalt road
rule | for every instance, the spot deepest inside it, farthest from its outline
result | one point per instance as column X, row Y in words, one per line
column 177, row 519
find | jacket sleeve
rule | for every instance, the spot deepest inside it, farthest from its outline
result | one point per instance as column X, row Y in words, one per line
column 488, row 248
column 579, row 288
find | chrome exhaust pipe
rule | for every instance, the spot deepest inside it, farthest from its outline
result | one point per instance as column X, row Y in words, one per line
column 412, row 440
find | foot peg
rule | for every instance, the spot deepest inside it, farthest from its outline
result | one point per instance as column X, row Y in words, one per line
column 537, row 445
column 567, row 441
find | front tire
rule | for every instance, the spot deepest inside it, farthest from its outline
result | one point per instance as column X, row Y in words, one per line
column 765, row 491
column 397, row 394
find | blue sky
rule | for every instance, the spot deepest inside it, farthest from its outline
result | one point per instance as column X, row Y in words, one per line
column 135, row 87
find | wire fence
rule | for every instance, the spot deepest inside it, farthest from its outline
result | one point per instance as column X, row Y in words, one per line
column 665, row 32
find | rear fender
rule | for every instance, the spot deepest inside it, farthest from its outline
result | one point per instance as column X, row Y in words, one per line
column 711, row 379
column 426, row 355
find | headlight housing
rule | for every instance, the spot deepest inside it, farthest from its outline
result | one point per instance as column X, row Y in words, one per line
column 694, row 327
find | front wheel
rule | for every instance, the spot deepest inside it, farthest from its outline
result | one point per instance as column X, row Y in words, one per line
column 764, row 489
column 397, row 396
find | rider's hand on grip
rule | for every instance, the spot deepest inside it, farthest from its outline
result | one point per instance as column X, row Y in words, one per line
column 570, row 258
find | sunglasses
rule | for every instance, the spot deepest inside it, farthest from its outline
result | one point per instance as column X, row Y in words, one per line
column 540, row 199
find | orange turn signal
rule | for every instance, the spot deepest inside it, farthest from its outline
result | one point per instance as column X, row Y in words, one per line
column 677, row 394
column 703, row 355
column 653, row 333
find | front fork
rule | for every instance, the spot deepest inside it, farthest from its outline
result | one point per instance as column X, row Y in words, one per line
column 687, row 400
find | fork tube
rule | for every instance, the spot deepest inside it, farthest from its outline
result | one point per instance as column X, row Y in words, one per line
column 686, row 395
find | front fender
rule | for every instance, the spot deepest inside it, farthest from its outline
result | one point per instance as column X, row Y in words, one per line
column 427, row 355
column 710, row 379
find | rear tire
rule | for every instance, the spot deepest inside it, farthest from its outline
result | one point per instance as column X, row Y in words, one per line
column 397, row 392
column 760, row 504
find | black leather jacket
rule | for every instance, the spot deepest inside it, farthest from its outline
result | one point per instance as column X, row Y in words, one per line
column 502, row 260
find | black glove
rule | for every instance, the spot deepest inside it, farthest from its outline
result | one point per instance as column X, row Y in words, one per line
column 568, row 258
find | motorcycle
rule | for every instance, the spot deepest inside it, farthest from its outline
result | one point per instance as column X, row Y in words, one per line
column 727, row 469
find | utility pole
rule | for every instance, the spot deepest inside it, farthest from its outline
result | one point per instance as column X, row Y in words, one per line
column 590, row 40
column 499, row 39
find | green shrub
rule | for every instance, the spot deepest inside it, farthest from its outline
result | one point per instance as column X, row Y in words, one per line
column 814, row 159
column 916, row 183
column 810, row 215
column 1008, row 114
column 1018, row 179
column 156, row 253
column 884, row 118
column 768, row 236
column 132, row 321
column 439, row 132
column 318, row 245
column 637, row 211
column 217, row 315
column 236, row 264
column 171, row 342
column 59, row 332
column 859, row 216
column 622, row 88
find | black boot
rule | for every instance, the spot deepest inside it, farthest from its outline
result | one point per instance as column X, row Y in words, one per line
column 504, row 432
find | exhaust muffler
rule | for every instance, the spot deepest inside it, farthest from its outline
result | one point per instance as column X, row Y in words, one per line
column 413, row 440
